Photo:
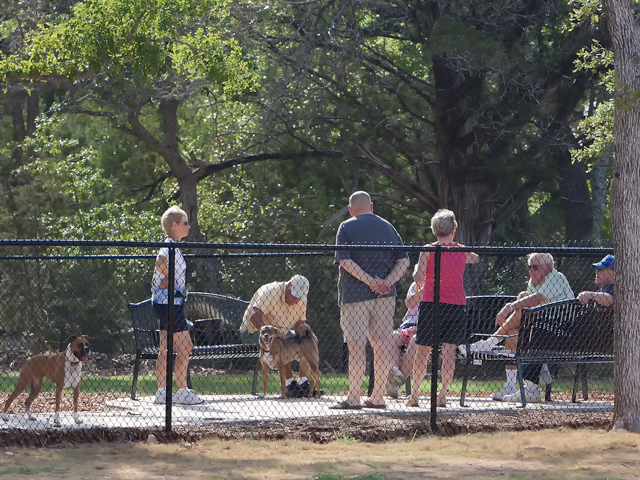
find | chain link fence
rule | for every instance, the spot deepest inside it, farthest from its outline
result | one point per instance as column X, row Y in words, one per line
column 504, row 359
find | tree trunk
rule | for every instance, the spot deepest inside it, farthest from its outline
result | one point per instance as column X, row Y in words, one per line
column 625, row 206
column 207, row 269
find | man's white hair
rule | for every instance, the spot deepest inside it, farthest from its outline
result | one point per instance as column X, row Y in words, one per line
column 545, row 258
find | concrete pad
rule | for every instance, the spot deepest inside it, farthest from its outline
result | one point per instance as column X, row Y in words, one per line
column 144, row 413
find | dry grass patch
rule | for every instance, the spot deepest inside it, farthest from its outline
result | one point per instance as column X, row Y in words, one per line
column 560, row 453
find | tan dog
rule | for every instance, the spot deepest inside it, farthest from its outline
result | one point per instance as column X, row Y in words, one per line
column 63, row 368
column 276, row 352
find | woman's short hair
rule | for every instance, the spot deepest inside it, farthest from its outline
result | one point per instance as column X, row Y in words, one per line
column 443, row 223
column 172, row 214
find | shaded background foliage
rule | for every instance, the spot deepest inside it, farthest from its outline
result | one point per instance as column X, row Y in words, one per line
column 260, row 120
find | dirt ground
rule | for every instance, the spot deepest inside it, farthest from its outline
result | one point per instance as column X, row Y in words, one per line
column 559, row 453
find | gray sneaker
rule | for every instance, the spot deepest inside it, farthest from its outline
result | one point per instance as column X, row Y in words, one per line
column 396, row 377
column 506, row 390
column 161, row 396
column 545, row 375
column 185, row 396
column 531, row 394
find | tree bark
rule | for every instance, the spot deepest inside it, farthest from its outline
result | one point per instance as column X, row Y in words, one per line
column 625, row 206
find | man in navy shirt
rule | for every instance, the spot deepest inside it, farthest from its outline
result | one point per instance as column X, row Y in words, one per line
column 366, row 294
column 605, row 280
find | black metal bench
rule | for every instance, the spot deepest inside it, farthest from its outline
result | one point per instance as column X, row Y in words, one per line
column 557, row 333
column 566, row 332
column 224, row 312
column 480, row 314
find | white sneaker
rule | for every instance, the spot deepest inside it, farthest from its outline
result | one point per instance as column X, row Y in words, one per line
column 531, row 394
column 506, row 390
column 545, row 375
column 185, row 396
column 481, row 346
column 161, row 396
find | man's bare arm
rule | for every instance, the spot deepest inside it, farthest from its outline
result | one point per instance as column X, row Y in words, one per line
column 400, row 267
column 256, row 318
column 354, row 270
column 603, row 298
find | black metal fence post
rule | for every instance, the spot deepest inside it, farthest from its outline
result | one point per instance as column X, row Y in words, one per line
column 169, row 384
column 435, row 352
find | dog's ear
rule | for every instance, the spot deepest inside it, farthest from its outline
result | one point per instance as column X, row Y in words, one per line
column 304, row 330
column 72, row 338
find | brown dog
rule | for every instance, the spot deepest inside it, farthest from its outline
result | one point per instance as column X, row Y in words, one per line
column 276, row 352
column 63, row 368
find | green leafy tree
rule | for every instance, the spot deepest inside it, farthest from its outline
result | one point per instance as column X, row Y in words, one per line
column 467, row 105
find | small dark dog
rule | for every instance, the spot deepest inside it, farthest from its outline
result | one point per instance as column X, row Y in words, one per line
column 63, row 368
column 276, row 352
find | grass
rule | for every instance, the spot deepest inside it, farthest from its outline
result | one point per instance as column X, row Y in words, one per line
column 339, row 476
column 240, row 384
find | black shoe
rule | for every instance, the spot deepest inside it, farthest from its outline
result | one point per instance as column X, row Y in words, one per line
column 302, row 390
column 292, row 389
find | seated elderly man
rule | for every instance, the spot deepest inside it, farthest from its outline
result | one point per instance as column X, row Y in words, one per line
column 605, row 281
column 282, row 305
column 545, row 285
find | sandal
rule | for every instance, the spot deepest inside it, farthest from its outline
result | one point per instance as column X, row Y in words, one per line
column 344, row 405
column 413, row 402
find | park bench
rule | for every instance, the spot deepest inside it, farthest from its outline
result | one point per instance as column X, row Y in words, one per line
column 480, row 315
column 216, row 322
column 556, row 333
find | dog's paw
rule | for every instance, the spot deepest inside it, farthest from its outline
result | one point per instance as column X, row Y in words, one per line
column 5, row 417
column 77, row 418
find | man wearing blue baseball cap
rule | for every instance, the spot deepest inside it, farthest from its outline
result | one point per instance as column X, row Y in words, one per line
column 605, row 280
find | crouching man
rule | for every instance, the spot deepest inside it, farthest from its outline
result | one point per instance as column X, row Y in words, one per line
column 282, row 305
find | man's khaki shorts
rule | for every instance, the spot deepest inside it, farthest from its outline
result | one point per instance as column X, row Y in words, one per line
column 371, row 318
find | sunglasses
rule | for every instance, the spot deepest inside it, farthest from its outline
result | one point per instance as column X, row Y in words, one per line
column 534, row 267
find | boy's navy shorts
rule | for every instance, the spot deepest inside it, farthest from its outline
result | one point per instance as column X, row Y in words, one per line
column 179, row 320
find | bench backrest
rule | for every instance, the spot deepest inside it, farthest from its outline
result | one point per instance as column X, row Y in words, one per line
column 145, row 326
column 198, row 306
column 567, row 328
column 482, row 311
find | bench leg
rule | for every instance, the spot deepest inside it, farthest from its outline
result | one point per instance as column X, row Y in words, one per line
column 189, row 378
column 371, row 378
column 134, row 385
column 547, row 392
column 585, row 387
column 574, row 394
column 521, row 382
column 254, row 387
column 466, row 373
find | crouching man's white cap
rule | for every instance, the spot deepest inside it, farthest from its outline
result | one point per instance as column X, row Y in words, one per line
column 299, row 287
